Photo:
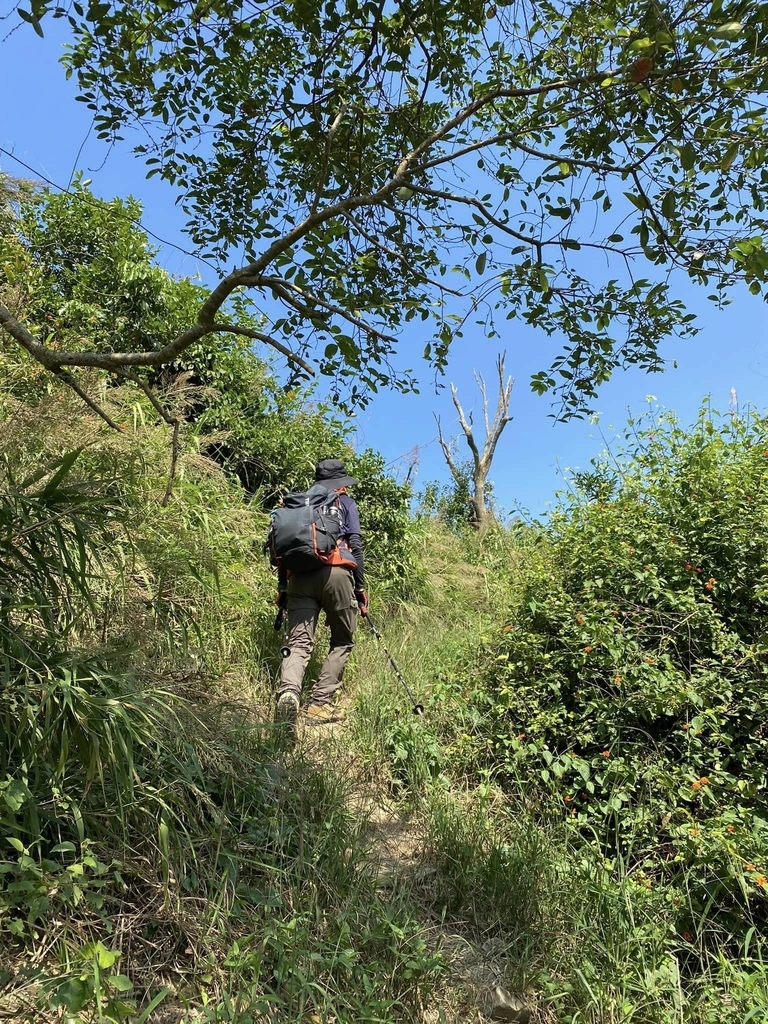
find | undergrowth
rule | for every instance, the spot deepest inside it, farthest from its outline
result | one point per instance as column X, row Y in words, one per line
column 604, row 733
column 162, row 852
column 587, row 781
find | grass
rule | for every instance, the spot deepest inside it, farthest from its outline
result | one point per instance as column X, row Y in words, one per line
column 234, row 878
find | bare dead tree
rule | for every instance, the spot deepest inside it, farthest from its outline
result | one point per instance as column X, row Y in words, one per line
column 480, row 516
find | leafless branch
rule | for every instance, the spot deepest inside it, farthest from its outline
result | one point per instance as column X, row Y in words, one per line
column 69, row 380
column 481, row 461
column 465, row 426
column 161, row 411
column 174, row 462
column 447, row 452
column 170, row 419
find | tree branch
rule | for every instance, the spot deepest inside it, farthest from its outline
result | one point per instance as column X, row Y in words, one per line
column 447, row 453
column 490, row 218
column 399, row 256
column 284, row 288
column 500, row 418
column 327, row 155
column 246, row 332
column 466, row 427
column 69, row 380
column 174, row 461
column 156, row 404
column 406, row 164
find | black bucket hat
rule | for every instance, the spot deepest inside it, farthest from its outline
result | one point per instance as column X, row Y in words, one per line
column 333, row 473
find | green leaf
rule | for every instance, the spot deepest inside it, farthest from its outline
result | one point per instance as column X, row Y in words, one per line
column 64, row 465
column 16, row 844
column 668, row 205
column 480, row 264
column 730, row 155
column 120, row 983
column 73, row 995
column 64, row 848
column 105, row 958
column 638, row 201
column 729, row 31
column 687, row 156
column 15, row 795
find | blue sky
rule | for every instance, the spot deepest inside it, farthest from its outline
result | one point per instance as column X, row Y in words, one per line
column 42, row 125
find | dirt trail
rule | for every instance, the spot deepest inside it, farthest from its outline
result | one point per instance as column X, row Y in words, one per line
column 398, row 857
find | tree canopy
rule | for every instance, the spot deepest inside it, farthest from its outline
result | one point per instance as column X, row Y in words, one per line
column 365, row 165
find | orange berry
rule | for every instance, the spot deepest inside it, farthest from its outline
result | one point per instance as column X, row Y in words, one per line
column 696, row 785
column 751, row 867
column 731, row 828
column 588, row 649
column 606, row 753
column 704, row 780
column 761, row 880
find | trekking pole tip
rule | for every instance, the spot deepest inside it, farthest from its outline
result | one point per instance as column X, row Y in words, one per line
column 418, row 709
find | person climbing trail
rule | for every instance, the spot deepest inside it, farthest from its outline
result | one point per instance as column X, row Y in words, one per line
column 315, row 541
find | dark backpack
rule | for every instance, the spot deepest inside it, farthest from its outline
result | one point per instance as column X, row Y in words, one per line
column 305, row 530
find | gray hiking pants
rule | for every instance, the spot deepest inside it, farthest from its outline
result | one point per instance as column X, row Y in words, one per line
column 331, row 590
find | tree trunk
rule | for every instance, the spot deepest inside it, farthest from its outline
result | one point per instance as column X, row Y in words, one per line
column 480, row 516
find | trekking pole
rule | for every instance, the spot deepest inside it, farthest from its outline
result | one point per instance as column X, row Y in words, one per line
column 418, row 709
column 285, row 650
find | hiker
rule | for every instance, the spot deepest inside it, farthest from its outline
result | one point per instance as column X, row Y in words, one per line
column 337, row 588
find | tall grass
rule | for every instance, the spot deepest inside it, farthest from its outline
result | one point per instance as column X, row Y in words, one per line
column 158, row 843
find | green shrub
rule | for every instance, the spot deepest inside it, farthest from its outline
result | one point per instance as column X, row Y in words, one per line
column 627, row 688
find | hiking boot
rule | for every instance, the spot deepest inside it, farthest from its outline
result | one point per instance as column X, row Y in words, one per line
column 323, row 714
column 286, row 710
